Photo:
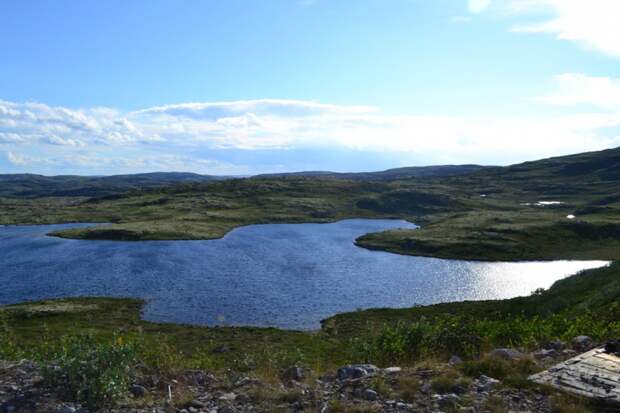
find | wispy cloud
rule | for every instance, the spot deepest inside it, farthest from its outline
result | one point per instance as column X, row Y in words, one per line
column 590, row 23
column 580, row 89
column 478, row 6
column 172, row 137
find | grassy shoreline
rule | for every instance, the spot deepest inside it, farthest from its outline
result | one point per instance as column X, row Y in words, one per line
column 32, row 324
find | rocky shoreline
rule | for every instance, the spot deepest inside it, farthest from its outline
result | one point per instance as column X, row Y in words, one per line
column 428, row 387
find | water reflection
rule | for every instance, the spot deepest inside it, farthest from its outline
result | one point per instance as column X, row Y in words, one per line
column 289, row 276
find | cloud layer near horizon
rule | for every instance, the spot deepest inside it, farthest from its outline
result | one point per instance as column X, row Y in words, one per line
column 39, row 137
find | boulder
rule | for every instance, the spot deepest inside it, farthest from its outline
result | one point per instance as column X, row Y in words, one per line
column 506, row 353
column 486, row 383
column 455, row 360
column 370, row 395
column 227, row 397
column 137, row 390
column 613, row 347
column 293, row 373
column 392, row 370
column 582, row 343
column 356, row 371
column 555, row 345
column 447, row 401
column 545, row 353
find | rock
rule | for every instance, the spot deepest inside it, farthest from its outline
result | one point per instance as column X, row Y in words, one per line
column 7, row 407
column 227, row 397
column 455, row 360
column 370, row 394
column 613, row 347
column 293, row 373
column 449, row 400
column 65, row 409
column 242, row 398
column 582, row 343
column 137, row 390
column 221, row 349
column 486, row 383
column 197, row 404
column 555, row 345
column 545, row 353
column 356, row 371
column 426, row 388
column 328, row 378
column 198, row 377
column 506, row 353
column 392, row 370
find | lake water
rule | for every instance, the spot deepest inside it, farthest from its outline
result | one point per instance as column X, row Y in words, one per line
column 284, row 275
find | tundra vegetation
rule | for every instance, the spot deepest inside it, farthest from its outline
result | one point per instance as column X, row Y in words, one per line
column 488, row 214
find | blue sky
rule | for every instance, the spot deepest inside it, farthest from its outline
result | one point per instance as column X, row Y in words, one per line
column 243, row 86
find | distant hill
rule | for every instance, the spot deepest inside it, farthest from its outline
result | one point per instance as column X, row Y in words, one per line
column 600, row 165
column 35, row 186
column 389, row 174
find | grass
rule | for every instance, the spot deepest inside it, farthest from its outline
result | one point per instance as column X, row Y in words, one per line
column 457, row 223
column 505, row 224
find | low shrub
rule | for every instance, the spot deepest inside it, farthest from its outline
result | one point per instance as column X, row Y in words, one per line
column 97, row 373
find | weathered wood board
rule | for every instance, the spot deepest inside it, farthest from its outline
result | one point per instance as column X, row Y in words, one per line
column 594, row 374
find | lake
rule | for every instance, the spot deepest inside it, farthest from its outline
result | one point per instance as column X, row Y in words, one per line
column 281, row 275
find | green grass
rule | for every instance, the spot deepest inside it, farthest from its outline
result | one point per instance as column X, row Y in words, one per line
column 456, row 221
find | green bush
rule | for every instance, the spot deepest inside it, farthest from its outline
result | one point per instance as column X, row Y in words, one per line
column 94, row 372
column 8, row 348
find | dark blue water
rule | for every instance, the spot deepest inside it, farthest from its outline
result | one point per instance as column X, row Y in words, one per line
column 289, row 276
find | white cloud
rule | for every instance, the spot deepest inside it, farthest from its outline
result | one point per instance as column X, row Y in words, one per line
column 478, row 6
column 591, row 23
column 24, row 160
column 180, row 137
column 579, row 89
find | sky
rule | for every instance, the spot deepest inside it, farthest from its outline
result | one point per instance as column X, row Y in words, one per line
column 241, row 87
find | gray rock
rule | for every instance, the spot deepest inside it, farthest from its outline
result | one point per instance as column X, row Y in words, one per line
column 545, row 353
column 138, row 391
column 507, row 353
column 582, row 343
column 392, row 370
column 455, row 360
column 227, row 397
column 65, row 409
column 197, row 404
column 449, row 400
column 7, row 407
column 356, row 371
column 555, row 345
column 221, row 349
column 370, row 394
column 293, row 373
column 486, row 383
